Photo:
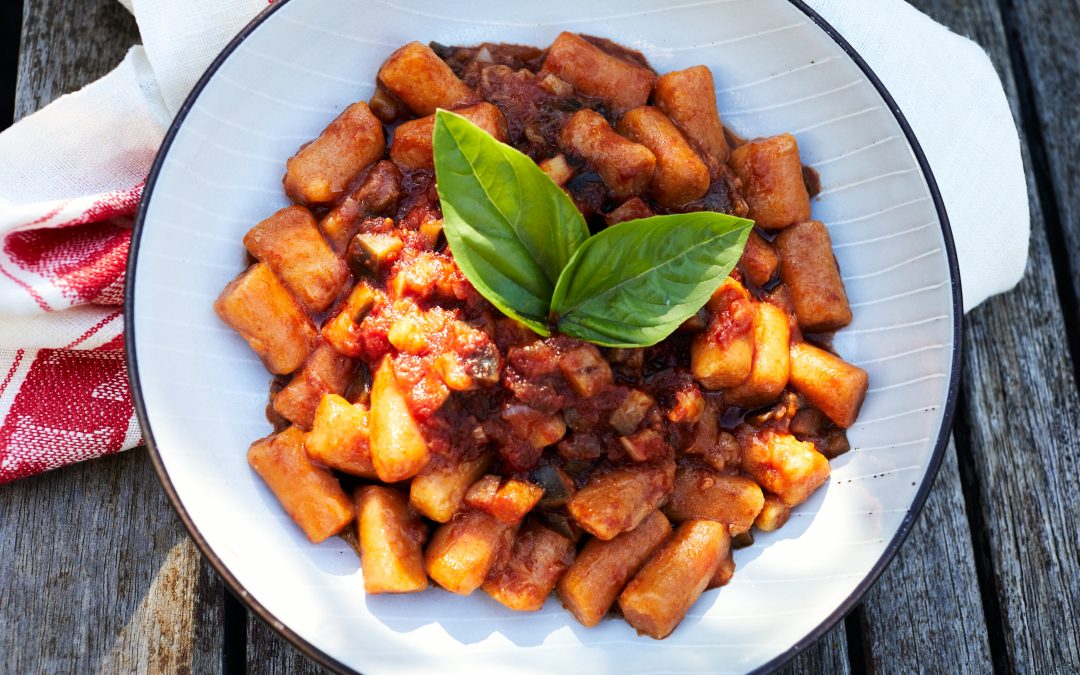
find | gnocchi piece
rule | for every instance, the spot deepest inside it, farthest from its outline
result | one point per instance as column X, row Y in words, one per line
column 412, row 145
column 774, row 514
column 309, row 494
column 439, row 490
column 259, row 307
column 422, row 81
column 525, row 578
column 398, row 448
column 722, row 355
column 726, row 570
column 625, row 167
column 391, row 541
column 464, row 550
column 680, row 176
column 759, row 261
column 325, row 372
column 290, row 243
column 617, row 501
column 772, row 361
column 340, row 437
column 834, row 386
column 661, row 594
column 321, row 171
column 688, row 97
column 780, row 463
column 622, row 85
column 592, row 583
column 808, row 268
column 772, row 177
column 733, row 501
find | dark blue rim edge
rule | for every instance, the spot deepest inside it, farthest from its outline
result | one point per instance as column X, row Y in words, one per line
column 326, row 660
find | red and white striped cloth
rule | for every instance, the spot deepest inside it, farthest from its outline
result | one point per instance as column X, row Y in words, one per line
column 71, row 176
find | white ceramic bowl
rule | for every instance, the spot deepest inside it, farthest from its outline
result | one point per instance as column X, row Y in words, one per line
column 200, row 392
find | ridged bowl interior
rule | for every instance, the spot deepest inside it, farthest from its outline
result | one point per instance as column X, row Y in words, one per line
column 203, row 392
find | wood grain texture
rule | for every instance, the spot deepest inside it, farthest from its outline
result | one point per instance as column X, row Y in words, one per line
column 66, row 45
column 930, row 593
column 1046, row 32
column 1020, row 405
column 97, row 573
column 270, row 654
column 828, row 656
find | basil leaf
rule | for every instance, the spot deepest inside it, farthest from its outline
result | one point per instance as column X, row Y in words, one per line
column 633, row 284
column 510, row 228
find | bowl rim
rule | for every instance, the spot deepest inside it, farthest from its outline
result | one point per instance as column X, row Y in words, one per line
column 311, row 651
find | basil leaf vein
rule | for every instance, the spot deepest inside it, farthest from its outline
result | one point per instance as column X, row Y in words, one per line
column 633, row 284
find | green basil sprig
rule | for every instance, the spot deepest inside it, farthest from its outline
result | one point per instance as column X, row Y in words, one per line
column 521, row 242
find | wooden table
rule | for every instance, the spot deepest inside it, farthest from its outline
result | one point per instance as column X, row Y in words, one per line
column 96, row 572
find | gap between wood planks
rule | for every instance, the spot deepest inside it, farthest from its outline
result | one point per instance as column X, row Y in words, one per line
column 10, row 40
column 1040, row 166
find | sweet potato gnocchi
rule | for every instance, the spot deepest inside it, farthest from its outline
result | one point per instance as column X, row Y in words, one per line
column 462, row 448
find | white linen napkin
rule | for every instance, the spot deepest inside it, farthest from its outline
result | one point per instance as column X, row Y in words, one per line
column 71, row 176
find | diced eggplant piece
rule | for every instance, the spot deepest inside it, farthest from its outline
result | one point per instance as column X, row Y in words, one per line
column 321, row 171
column 759, row 261
column 524, row 579
column 774, row 513
column 661, row 594
column 558, row 169
column 343, row 330
column 723, row 354
column 290, row 243
column 557, row 485
column 733, row 501
column 689, row 406
column 508, row 501
column 392, row 538
column 464, row 550
column 688, row 97
column 419, row 78
column 531, row 425
column 340, row 437
column 600, row 572
column 412, row 146
column 680, row 177
column 413, row 332
column 772, row 361
column 630, row 413
column 310, row 494
column 622, row 85
column 375, row 251
column 619, row 500
column 742, row 540
column 772, row 179
column 831, row 384
column 377, row 196
column 325, row 372
column 808, row 268
column 647, row 445
column 586, row 370
column 780, row 463
column 439, row 490
column 398, row 449
column 387, row 107
column 625, row 167
column 719, row 449
column 257, row 305
column 432, row 231
column 634, row 208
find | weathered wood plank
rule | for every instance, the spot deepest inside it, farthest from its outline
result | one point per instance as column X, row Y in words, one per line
column 828, row 656
column 930, row 593
column 97, row 573
column 269, row 654
column 1046, row 32
column 1020, row 394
